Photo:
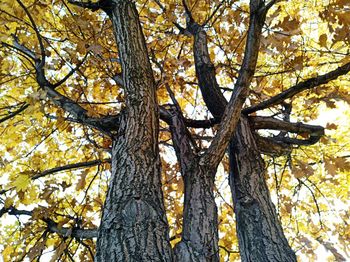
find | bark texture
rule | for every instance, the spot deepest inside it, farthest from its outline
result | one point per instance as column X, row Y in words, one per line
column 199, row 240
column 260, row 234
column 134, row 226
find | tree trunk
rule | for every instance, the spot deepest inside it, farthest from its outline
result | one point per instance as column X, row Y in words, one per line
column 199, row 239
column 134, row 226
column 259, row 231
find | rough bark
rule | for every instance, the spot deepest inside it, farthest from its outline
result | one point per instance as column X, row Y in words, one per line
column 199, row 240
column 134, row 225
column 259, row 231
column 205, row 72
column 257, row 222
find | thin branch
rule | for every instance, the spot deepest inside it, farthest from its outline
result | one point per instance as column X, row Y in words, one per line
column 13, row 114
column 330, row 247
column 64, row 79
column 63, row 168
column 214, row 12
column 42, row 48
column 315, row 201
column 52, row 226
column 70, row 167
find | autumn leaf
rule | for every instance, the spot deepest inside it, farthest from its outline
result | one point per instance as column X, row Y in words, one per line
column 21, row 182
column 331, row 126
column 82, row 181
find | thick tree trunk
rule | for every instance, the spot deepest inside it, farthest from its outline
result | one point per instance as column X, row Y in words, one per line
column 260, row 234
column 259, row 230
column 134, row 226
column 199, row 239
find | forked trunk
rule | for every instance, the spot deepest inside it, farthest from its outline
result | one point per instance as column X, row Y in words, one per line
column 199, row 239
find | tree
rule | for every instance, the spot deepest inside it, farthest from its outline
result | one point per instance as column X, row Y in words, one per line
column 85, row 85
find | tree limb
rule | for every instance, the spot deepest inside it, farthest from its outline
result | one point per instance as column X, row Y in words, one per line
column 269, row 146
column 93, row 6
column 232, row 113
column 52, row 226
column 205, row 70
column 70, row 166
column 36, row 30
column 166, row 116
column 107, row 124
column 182, row 140
column 305, row 85
column 13, row 114
column 265, row 122
column 105, row 5
column 314, row 132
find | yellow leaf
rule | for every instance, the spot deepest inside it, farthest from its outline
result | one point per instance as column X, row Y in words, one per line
column 21, row 182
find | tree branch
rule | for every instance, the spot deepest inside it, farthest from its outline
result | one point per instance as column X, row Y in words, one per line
column 269, row 146
column 52, row 226
column 232, row 113
column 88, row 5
column 105, row 5
column 70, row 166
column 182, row 139
column 205, row 70
column 13, row 114
column 330, row 247
column 213, row 13
column 188, row 12
column 305, row 85
column 41, row 44
column 64, row 79
column 63, row 168
column 23, row 49
column 107, row 124
column 166, row 116
column 314, row 132
column 265, row 122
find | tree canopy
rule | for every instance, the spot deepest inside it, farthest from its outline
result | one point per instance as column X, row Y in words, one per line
column 62, row 96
